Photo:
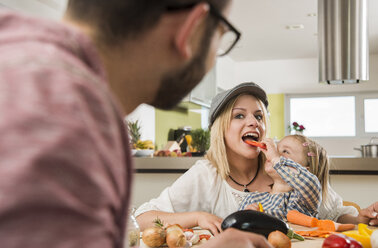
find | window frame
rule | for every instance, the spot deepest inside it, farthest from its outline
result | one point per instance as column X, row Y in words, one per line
column 359, row 111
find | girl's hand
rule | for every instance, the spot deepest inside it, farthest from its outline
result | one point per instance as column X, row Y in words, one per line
column 210, row 222
column 271, row 153
column 253, row 206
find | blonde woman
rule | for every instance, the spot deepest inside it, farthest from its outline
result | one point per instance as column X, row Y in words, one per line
column 213, row 188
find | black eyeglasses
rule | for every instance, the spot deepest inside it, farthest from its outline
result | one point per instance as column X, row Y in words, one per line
column 230, row 35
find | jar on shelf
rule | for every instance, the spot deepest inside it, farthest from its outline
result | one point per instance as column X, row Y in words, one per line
column 133, row 231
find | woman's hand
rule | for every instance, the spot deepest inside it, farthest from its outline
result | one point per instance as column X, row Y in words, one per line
column 210, row 222
column 369, row 215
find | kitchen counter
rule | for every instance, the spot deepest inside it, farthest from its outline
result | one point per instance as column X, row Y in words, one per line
column 308, row 243
column 349, row 177
column 339, row 165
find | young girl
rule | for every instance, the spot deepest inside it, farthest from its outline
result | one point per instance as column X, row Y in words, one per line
column 294, row 187
column 332, row 204
column 311, row 155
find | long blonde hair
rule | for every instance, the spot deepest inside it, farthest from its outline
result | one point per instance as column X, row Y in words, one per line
column 317, row 160
column 217, row 153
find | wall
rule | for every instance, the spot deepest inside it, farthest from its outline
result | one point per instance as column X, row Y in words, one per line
column 277, row 115
column 145, row 114
column 299, row 76
column 147, row 186
column 178, row 117
column 47, row 8
column 359, row 189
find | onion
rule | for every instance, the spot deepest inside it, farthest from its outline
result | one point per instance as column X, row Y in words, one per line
column 154, row 236
column 279, row 240
column 175, row 236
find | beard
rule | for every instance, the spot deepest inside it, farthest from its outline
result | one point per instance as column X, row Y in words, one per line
column 175, row 86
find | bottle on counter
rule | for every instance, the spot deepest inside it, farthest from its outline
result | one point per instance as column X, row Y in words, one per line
column 133, row 231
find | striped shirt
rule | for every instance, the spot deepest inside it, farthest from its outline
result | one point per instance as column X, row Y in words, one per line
column 305, row 196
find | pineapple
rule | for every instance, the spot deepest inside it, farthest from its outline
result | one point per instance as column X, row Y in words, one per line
column 134, row 131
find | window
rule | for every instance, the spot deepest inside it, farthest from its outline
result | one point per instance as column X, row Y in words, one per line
column 325, row 116
column 331, row 115
column 371, row 117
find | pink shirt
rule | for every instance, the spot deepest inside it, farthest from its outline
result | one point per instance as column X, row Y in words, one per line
column 65, row 164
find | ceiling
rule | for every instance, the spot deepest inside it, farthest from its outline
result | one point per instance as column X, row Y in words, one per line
column 263, row 24
column 265, row 36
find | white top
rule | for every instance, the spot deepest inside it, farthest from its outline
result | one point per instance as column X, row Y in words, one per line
column 333, row 208
column 201, row 188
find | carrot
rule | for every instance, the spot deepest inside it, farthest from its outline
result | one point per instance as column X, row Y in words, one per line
column 205, row 236
column 314, row 233
column 327, row 225
column 344, row 227
column 298, row 218
column 255, row 143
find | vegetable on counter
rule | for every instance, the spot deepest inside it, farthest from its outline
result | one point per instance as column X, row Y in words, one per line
column 329, row 226
column 341, row 241
column 374, row 239
column 279, row 240
column 315, row 233
column 175, row 236
column 258, row 222
column 154, row 236
column 298, row 218
column 363, row 235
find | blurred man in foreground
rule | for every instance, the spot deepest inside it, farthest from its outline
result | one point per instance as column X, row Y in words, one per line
column 65, row 167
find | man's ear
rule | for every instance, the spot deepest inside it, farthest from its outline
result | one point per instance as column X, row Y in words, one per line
column 187, row 29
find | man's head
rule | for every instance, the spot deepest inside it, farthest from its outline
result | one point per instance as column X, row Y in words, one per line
column 118, row 20
column 185, row 57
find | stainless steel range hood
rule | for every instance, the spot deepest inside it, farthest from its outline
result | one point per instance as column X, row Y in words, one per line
column 343, row 41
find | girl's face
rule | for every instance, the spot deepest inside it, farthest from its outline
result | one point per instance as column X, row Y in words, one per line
column 293, row 149
column 247, row 122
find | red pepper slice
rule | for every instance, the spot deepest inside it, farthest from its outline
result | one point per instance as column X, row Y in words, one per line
column 255, row 143
column 205, row 236
column 340, row 241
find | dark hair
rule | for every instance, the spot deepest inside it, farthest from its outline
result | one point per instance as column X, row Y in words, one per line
column 117, row 20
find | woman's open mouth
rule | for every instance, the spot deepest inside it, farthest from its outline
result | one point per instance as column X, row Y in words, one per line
column 250, row 136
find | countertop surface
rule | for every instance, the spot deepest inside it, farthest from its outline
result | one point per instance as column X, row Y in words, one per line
column 339, row 165
column 308, row 243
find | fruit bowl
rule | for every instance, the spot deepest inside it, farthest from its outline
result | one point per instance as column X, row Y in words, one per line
column 144, row 153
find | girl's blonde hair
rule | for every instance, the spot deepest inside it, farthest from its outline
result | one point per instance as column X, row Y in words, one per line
column 217, row 153
column 317, row 160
